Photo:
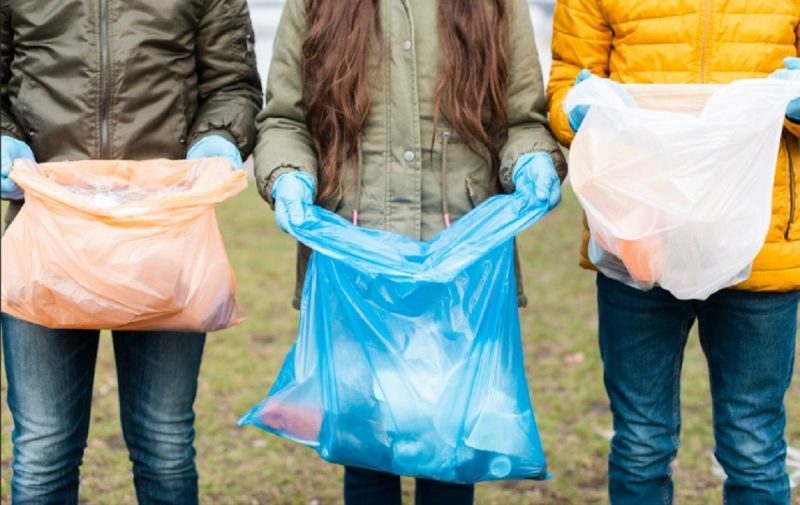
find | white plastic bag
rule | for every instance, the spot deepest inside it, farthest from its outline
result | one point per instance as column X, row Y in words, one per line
column 678, row 192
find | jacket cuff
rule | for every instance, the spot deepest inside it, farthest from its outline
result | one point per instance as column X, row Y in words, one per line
column 224, row 128
column 792, row 126
column 221, row 133
column 559, row 120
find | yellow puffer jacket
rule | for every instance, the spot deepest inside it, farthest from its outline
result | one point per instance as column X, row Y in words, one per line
column 690, row 41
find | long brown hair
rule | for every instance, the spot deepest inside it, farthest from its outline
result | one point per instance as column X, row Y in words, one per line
column 471, row 92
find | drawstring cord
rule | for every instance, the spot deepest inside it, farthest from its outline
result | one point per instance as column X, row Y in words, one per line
column 445, row 206
column 359, row 186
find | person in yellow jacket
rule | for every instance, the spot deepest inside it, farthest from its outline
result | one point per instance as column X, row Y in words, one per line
column 749, row 332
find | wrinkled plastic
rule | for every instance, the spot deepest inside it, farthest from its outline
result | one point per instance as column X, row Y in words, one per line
column 121, row 245
column 678, row 192
column 409, row 358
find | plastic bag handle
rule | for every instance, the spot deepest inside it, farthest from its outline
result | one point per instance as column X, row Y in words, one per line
column 377, row 252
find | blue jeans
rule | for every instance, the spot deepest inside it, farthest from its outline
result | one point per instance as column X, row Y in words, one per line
column 368, row 487
column 749, row 342
column 50, row 375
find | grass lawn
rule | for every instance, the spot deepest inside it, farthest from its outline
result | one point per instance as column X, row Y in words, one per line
column 247, row 466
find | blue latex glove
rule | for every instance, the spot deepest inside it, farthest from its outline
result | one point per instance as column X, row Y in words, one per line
column 12, row 149
column 289, row 192
column 790, row 73
column 578, row 113
column 535, row 173
column 215, row 145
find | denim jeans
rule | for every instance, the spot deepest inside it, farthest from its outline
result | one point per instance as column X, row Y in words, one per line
column 50, row 375
column 749, row 342
column 368, row 487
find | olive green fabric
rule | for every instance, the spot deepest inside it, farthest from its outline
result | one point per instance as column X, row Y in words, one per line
column 402, row 161
column 127, row 79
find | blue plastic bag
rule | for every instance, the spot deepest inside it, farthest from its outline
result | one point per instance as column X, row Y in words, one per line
column 408, row 358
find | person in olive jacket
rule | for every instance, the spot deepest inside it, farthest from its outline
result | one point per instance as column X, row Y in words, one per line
column 113, row 79
column 403, row 116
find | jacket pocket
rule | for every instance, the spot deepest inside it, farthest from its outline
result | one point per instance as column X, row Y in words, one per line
column 467, row 175
column 478, row 190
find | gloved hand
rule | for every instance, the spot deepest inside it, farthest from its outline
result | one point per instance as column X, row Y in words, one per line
column 12, row 149
column 536, row 174
column 578, row 113
column 790, row 73
column 289, row 192
column 215, row 145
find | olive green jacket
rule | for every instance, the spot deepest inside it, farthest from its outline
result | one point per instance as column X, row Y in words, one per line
column 126, row 79
column 403, row 164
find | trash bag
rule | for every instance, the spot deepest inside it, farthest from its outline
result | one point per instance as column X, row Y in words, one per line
column 121, row 245
column 408, row 358
column 678, row 191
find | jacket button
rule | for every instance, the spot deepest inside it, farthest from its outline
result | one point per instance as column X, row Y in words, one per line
column 407, row 46
column 409, row 156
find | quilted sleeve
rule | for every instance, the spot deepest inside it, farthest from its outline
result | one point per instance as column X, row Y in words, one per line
column 582, row 38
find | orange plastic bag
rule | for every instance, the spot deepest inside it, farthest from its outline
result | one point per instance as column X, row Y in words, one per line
column 121, row 245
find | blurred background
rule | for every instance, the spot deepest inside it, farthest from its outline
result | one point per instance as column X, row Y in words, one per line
column 249, row 467
column 266, row 14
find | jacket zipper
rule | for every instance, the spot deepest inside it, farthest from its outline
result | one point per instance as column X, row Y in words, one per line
column 706, row 23
column 792, row 202
column 105, row 82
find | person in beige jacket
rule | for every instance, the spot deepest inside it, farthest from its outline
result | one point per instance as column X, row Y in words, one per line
column 403, row 115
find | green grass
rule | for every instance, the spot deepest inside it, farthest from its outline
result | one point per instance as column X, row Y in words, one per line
column 247, row 466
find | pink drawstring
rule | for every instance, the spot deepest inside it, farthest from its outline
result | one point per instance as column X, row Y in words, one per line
column 359, row 172
column 445, row 207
